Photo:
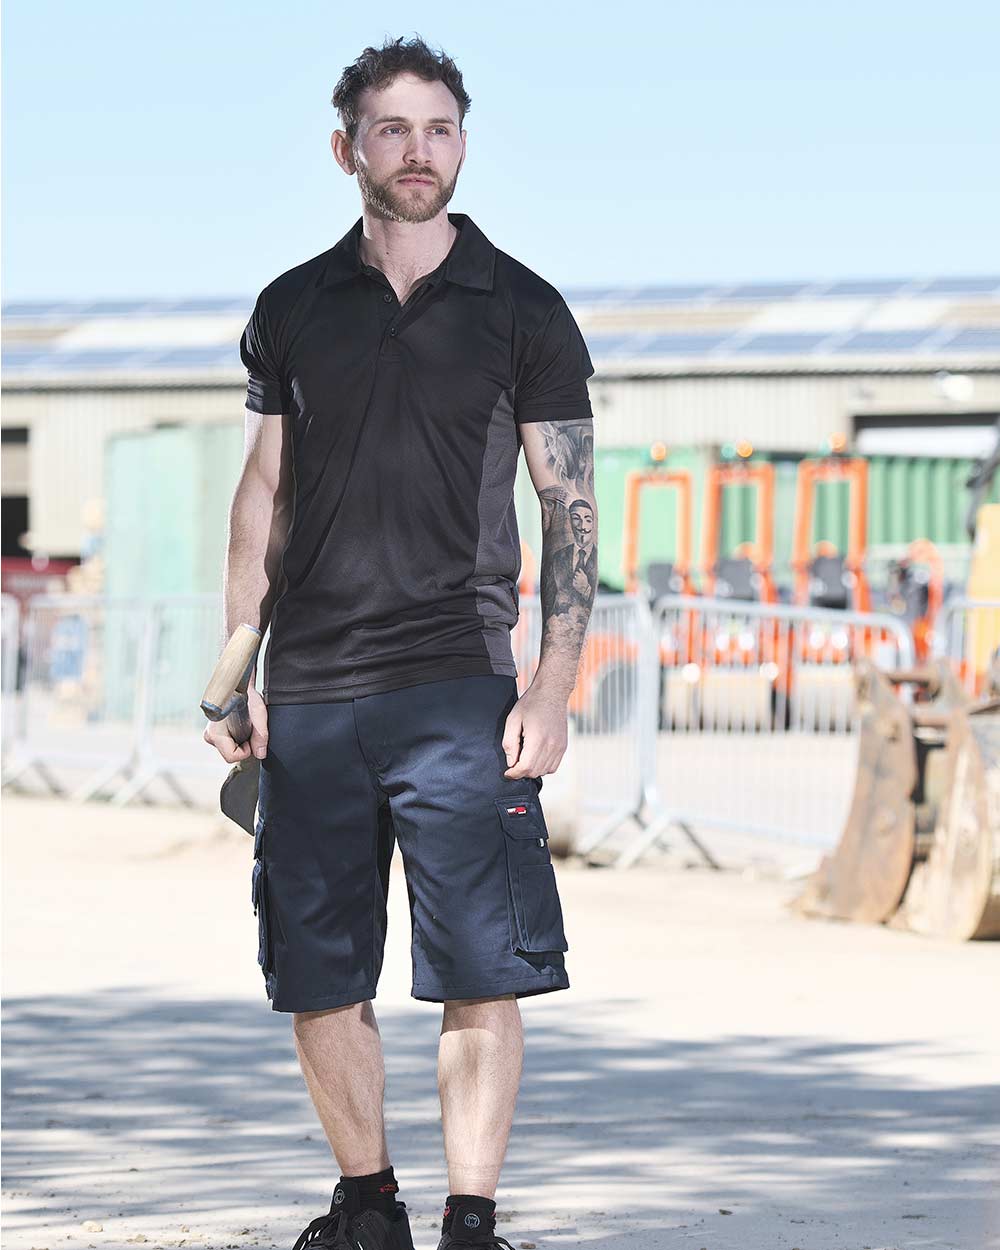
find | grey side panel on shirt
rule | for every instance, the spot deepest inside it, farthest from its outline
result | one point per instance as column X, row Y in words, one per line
column 498, row 555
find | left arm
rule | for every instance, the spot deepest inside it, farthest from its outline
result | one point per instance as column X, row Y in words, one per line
column 560, row 460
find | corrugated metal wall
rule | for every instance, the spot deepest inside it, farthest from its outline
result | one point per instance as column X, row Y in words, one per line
column 787, row 413
column 67, row 444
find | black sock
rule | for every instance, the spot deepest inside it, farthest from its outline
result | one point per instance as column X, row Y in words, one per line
column 477, row 1218
column 377, row 1191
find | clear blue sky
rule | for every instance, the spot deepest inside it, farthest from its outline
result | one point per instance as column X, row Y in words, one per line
column 182, row 149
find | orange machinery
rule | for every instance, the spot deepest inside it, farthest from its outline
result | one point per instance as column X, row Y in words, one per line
column 825, row 577
column 747, row 572
column 734, row 658
column 915, row 592
column 605, row 688
column 664, row 577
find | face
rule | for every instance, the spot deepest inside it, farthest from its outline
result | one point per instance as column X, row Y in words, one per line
column 408, row 150
column 582, row 520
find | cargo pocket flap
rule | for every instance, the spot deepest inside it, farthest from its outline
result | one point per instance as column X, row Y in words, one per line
column 521, row 816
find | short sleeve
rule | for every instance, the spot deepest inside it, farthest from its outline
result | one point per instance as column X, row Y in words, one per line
column 552, row 377
column 258, row 352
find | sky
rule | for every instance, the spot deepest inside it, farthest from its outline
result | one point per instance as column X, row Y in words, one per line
column 183, row 150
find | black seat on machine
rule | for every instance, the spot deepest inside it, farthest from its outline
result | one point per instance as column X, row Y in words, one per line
column 908, row 590
column 828, row 584
column 663, row 579
column 735, row 578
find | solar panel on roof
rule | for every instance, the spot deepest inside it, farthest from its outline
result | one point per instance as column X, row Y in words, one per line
column 765, row 290
column 682, row 344
column 961, row 286
column 117, row 307
column 16, row 358
column 883, row 341
column 589, row 294
column 95, row 358
column 215, row 305
column 874, row 286
column 44, row 308
column 611, row 344
column 668, row 294
column 192, row 357
column 973, row 339
column 781, row 344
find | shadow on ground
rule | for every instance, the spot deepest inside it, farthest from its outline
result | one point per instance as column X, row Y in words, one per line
column 160, row 1112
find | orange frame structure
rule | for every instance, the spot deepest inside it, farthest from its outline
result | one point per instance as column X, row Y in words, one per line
column 923, row 551
column 636, row 480
column 761, row 551
column 854, row 471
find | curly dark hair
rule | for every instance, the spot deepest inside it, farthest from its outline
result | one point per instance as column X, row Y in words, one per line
column 378, row 67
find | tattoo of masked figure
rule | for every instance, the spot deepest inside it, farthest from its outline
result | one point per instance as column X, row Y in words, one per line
column 569, row 521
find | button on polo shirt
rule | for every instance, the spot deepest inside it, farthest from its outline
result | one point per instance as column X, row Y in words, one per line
column 403, row 555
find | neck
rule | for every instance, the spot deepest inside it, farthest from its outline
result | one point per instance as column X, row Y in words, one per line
column 405, row 249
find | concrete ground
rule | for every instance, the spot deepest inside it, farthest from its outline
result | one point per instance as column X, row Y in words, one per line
column 721, row 1076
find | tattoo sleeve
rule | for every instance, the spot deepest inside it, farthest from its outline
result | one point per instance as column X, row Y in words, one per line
column 561, row 462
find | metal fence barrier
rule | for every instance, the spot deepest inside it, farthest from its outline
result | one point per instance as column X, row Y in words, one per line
column 10, row 668
column 110, row 688
column 85, row 660
column 968, row 635
column 697, row 713
column 752, row 722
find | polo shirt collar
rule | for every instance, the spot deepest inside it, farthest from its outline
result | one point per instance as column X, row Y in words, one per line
column 469, row 263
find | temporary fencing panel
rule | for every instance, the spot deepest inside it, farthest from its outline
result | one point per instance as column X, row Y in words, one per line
column 10, row 664
column 86, row 664
column 755, row 724
column 968, row 634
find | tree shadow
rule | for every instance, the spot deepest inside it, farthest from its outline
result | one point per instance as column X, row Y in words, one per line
column 165, row 1111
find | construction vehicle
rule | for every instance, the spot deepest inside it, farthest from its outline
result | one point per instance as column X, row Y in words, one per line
column 663, row 577
column 736, row 664
column 915, row 592
column 747, row 573
column 824, row 576
column 605, row 693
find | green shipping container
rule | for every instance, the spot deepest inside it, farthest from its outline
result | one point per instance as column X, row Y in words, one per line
column 167, row 495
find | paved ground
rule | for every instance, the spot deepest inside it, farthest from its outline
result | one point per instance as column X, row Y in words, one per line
column 721, row 1075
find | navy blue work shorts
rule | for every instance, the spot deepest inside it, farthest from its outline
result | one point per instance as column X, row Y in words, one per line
column 340, row 784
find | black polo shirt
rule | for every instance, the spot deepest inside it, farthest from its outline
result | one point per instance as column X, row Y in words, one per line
column 403, row 555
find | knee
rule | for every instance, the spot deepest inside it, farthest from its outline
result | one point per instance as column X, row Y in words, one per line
column 500, row 1011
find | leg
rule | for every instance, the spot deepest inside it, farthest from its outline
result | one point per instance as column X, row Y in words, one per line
column 479, row 1072
column 340, row 1052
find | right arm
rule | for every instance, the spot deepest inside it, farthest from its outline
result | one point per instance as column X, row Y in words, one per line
column 259, row 519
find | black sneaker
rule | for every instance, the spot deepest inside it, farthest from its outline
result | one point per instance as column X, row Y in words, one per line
column 463, row 1227
column 348, row 1227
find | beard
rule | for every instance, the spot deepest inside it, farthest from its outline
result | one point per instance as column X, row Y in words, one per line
column 398, row 203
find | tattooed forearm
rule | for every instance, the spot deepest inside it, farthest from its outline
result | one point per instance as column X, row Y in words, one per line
column 568, row 577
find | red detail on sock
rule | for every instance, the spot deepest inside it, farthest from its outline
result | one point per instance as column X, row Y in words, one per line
column 447, row 1211
column 388, row 1189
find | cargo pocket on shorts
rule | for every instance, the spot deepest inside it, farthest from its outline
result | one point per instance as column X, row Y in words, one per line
column 537, row 920
column 258, row 896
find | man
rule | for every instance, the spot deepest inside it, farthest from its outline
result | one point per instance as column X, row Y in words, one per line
column 392, row 381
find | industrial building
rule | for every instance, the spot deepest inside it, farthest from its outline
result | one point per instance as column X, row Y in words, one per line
column 128, row 414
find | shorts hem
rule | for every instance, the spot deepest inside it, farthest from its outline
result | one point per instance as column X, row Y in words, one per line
column 522, row 988
column 346, row 999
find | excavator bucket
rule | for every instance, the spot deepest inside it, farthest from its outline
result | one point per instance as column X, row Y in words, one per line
column 955, row 891
column 866, row 875
column 921, row 846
